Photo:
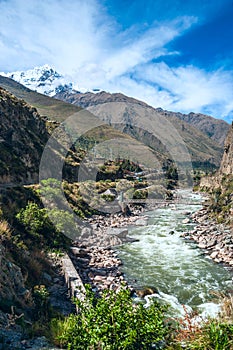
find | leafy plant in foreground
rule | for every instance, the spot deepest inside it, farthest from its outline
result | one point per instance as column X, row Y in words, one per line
column 111, row 322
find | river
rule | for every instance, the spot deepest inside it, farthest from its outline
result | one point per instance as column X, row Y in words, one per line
column 179, row 270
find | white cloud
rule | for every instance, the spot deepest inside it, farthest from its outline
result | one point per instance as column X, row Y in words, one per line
column 78, row 35
column 79, row 38
column 191, row 88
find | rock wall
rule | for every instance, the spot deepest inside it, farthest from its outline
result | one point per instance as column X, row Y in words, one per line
column 220, row 186
column 226, row 167
column 12, row 288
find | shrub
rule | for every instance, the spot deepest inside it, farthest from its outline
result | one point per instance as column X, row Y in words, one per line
column 111, row 322
column 37, row 223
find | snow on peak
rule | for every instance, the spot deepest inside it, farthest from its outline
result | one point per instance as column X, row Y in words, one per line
column 46, row 80
column 43, row 79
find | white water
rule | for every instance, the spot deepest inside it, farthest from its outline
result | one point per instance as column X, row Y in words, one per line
column 179, row 270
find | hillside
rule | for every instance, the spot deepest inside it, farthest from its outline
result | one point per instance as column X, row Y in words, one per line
column 215, row 129
column 23, row 135
column 205, row 153
column 226, row 167
column 46, row 106
column 125, row 113
column 129, row 115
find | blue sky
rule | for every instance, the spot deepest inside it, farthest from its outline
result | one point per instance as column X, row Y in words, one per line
column 177, row 55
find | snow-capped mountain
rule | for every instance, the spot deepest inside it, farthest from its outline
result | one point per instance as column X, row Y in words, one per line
column 44, row 79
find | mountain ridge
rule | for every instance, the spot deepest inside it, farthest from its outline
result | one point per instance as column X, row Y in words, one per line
column 214, row 128
column 204, row 151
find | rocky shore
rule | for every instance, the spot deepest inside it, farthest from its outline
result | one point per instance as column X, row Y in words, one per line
column 97, row 262
column 215, row 239
column 99, row 267
column 93, row 255
column 105, row 231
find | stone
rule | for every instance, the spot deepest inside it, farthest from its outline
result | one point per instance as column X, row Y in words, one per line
column 214, row 254
column 98, row 278
column 211, row 243
column 99, row 272
column 47, row 277
column 119, row 232
column 202, row 245
column 110, row 278
column 86, row 232
column 141, row 222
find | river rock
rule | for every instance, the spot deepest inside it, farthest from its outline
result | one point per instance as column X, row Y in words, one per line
column 146, row 291
column 214, row 254
column 186, row 221
column 202, row 245
column 211, row 243
column 141, row 222
column 119, row 232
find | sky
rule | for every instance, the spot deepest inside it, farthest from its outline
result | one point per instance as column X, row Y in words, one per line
column 173, row 54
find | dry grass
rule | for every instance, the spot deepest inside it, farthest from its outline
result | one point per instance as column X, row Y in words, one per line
column 5, row 231
column 227, row 308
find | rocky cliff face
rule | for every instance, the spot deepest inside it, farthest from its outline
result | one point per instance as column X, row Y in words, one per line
column 12, row 287
column 22, row 137
column 220, row 186
column 226, row 167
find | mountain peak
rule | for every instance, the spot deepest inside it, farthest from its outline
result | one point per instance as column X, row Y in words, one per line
column 44, row 79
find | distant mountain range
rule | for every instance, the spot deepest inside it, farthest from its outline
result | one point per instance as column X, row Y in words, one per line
column 203, row 135
column 216, row 129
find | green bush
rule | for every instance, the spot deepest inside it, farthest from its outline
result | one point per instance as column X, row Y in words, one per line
column 111, row 322
column 37, row 223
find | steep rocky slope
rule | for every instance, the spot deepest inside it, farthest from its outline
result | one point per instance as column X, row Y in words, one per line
column 226, row 167
column 215, row 129
column 22, row 137
column 220, row 186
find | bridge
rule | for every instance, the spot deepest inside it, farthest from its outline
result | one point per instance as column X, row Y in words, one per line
column 163, row 202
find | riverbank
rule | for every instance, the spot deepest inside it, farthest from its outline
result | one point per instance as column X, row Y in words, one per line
column 95, row 253
column 216, row 240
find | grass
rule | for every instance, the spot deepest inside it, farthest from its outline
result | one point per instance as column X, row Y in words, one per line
column 213, row 334
column 46, row 106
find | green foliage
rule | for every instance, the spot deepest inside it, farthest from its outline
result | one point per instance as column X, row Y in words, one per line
column 222, row 201
column 108, row 197
column 140, row 194
column 41, row 299
column 214, row 336
column 37, row 223
column 34, row 219
column 111, row 322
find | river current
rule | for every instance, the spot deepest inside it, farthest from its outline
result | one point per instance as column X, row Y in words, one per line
column 180, row 271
